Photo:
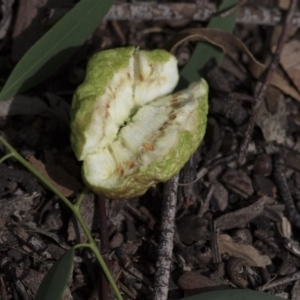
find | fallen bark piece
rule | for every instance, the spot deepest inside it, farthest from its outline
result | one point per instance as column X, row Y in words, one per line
column 241, row 216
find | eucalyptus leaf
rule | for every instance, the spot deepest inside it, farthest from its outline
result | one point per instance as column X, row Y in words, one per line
column 204, row 52
column 55, row 281
column 56, row 46
column 233, row 295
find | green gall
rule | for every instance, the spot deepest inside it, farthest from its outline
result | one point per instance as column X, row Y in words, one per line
column 126, row 128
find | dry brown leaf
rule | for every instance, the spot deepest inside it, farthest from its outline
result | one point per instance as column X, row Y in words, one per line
column 273, row 126
column 64, row 182
column 231, row 45
column 247, row 252
column 290, row 61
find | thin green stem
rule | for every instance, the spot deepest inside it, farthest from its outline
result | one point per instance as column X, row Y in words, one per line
column 83, row 245
column 105, row 270
column 81, row 197
column 92, row 245
column 5, row 157
column 73, row 207
column 28, row 166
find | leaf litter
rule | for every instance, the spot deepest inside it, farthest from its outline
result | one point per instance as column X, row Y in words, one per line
column 230, row 45
column 247, row 227
column 246, row 252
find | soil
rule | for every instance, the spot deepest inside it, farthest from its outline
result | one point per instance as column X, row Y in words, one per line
column 236, row 225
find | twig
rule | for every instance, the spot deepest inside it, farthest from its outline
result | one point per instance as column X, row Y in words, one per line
column 104, row 290
column 275, row 283
column 285, row 193
column 270, row 71
column 216, row 255
column 200, row 174
column 200, row 11
column 165, row 247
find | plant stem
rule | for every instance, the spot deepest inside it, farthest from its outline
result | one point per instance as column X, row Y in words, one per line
column 75, row 208
column 106, row 271
column 27, row 165
column 5, row 157
column 104, row 288
column 81, row 197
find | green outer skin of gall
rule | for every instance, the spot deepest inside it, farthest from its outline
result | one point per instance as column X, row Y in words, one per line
column 90, row 90
column 84, row 100
column 166, row 167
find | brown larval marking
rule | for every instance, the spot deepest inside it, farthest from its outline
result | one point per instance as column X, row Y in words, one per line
column 141, row 77
column 164, row 125
column 148, row 146
column 120, row 171
column 107, row 105
column 130, row 164
column 174, row 100
column 172, row 116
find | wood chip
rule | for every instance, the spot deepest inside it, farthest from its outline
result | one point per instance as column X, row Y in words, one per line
column 239, row 182
column 241, row 217
column 194, row 280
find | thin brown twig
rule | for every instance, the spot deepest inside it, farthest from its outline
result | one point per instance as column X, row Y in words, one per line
column 284, row 190
column 216, row 258
column 165, row 247
column 200, row 174
column 270, row 71
column 284, row 280
column 104, row 291
column 201, row 10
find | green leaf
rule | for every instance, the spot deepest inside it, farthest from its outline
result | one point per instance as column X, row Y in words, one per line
column 55, row 281
column 233, row 295
column 204, row 52
column 56, row 46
